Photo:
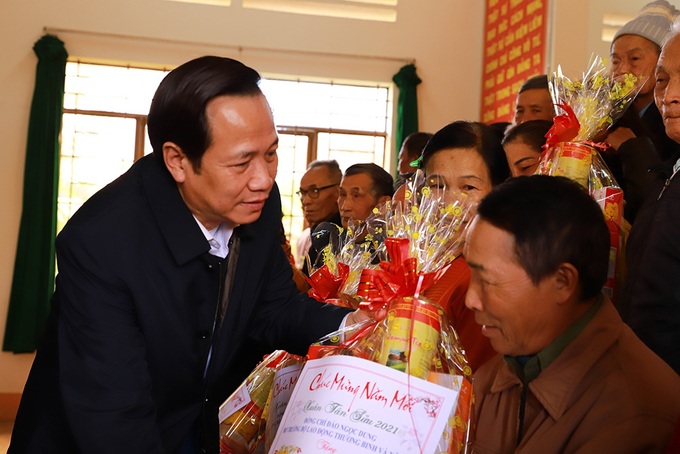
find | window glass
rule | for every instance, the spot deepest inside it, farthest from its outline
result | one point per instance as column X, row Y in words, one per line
column 104, row 130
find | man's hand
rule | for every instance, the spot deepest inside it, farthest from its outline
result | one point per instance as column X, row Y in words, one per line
column 616, row 137
column 361, row 315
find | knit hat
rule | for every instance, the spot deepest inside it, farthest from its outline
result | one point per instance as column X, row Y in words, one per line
column 652, row 22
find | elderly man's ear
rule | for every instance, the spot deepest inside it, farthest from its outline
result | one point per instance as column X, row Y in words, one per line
column 566, row 283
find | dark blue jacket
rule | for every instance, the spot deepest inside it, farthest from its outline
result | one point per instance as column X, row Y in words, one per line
column 650, row 299
column 122, row 366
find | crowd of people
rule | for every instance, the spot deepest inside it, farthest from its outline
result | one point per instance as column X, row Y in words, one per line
column 170, row 276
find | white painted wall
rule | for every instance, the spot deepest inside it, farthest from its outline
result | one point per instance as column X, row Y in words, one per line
column 444, row 36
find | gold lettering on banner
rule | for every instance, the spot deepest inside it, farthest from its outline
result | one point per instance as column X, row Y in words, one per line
column 524, row 65
column 513, row 47
column 503, row 93
column 489, row 99
column 521, row 31
column 491, row 50
column 503, row 59
column 510, row 38
column 503, row 110
column 516, row 17
column 515, row 52
column 535, row 23
column 503, row 26
column 516, row 85
column 510, row 72
column 533, row 6
column 493, row 17
column 491, row 66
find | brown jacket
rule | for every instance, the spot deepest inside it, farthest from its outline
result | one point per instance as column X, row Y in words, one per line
column 606, row 392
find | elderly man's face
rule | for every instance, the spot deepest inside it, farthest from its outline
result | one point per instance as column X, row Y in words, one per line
column 239, row 167
column 518, row 317
column 633, row 54
column 356, row 200
column 324, row 206
column 667, row 90
column 534, row 104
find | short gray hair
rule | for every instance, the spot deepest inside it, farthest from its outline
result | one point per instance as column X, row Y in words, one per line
column 332, row 166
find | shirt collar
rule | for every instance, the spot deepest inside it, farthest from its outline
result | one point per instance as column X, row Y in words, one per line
column 528, row 369
column 218, row 238
column 644, row 109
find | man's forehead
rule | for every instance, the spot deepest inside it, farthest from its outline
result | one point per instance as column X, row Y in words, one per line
column 316, row 175
column 670, row 50
column 533, row 95
column 482, row 233
column 358, row 181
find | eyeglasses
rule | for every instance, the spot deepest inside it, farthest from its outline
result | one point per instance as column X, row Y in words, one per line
column 313, row 193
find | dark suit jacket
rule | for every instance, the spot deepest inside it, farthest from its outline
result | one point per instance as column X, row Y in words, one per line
column 122, row 367
column 664, row 145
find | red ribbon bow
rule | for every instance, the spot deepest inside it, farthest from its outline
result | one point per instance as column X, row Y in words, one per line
column 396, row 278
column 565, row 127
column 324, row 284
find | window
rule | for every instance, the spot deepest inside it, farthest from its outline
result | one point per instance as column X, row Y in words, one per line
column 374, row 10
column 104, row 130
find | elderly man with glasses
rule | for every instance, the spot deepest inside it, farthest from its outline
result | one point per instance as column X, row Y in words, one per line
column 318, row 194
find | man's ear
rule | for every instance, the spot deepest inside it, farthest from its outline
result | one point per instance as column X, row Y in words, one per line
column 566, row 282
column 175, row 161
column 385, row 198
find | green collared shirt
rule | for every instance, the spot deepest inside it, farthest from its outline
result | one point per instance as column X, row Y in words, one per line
column 528, row 367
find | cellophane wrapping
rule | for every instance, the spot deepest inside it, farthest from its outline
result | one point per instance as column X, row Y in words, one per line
column 244, row 413
column 422, row 236
column 588, row 107
column 348, row 251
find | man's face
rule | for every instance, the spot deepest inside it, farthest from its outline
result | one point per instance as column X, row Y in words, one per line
column 518, row 317
column 667, row 91
column 534, row 104
column 355, row 200
column 633, row 54
column 238, row 169
column 404, row 161
column 325, row 205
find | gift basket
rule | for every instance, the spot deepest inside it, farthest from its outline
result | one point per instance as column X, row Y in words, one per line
column 249, row 417
column 402, row 383
column 586, row 108
column 344, row 254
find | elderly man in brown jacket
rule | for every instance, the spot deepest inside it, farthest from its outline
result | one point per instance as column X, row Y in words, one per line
column 571, row 376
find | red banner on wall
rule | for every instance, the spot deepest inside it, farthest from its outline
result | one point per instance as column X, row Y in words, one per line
column 514, row 50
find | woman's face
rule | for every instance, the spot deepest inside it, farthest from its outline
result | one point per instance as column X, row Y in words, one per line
column 523, row 159
column 461, row 169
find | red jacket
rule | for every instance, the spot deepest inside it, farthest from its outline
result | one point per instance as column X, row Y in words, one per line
column 449, row 292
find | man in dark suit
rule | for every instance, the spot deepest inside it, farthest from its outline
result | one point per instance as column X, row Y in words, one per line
column 167, row 277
